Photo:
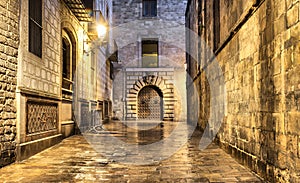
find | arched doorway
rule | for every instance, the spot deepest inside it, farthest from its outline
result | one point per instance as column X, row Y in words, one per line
column 150, row 103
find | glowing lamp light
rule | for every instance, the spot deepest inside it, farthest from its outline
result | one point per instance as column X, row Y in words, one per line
column 101, row 31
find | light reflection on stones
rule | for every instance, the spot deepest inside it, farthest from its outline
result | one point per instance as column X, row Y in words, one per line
column 75, row 160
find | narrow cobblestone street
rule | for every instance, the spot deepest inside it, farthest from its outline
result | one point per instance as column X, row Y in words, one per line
column 75, row 160
column 209, row 91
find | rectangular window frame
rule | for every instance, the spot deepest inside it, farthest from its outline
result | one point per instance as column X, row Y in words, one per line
column 35, row 27
column 147, row 10
column 149, row 41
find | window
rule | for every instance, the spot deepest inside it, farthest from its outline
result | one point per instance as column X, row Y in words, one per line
column 66, row 58
column 111, row 71
column 93, row 75
column 106, row 114
column 216, row 15
column 35, row 27
column 149, row 53
column 107, row 12
column 66, row 74
column 149, row 8
column 68, row 64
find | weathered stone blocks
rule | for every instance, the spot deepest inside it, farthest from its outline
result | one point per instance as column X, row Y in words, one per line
column 9, row 41
column 260, row 61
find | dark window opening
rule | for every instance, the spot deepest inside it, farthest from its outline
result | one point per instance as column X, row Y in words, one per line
column 149, row 8
column 149, row 53
column 106, row 114
column 216, row 24
column 107, row 12
column 66, row 59
column 111, row 71
column 35, row 27
column 68, row 66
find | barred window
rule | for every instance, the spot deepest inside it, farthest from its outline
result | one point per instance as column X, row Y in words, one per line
column 149, row 8
column 35, row 27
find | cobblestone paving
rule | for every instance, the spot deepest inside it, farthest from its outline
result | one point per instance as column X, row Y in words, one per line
column 75, row 160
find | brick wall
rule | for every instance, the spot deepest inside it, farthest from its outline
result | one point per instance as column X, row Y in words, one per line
column 9, row 42
column 260, row 63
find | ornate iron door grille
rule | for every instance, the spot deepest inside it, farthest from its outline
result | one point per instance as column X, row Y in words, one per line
column 149, row 104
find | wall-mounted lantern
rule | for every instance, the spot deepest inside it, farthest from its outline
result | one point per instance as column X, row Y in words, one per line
column 101, row 31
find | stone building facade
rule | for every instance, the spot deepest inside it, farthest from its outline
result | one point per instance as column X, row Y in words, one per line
column 256, row 44
column 64, row 73
column 9, row 41
column 147, row 84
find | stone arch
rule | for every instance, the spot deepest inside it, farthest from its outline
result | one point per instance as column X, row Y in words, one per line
column 67, row 26
column 167, row 92
column 68, row 30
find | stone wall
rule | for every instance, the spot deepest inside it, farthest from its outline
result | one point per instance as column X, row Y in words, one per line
column 34, row 112
column 130, row 28
column 37, row 75
column 39, row 83
column 45, row 110
column 9, row 42
column 258, row 52
column 136, row 79
column 127, row 11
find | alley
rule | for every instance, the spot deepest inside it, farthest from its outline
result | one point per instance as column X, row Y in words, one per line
column 71, row 70
column 74, row 160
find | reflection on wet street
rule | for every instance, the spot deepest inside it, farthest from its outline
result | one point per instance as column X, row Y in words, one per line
column 115, row 151
column 139, row 132
column 139, row 142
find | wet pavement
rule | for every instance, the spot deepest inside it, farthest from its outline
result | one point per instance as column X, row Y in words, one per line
column 130, row 152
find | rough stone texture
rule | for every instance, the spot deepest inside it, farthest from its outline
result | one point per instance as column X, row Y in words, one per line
column 260, row 63
column 127, row 11
column 9, row 41
column 130, row 28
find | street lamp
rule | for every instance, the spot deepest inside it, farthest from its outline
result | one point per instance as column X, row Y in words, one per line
column 101, row 31
column 98, row 34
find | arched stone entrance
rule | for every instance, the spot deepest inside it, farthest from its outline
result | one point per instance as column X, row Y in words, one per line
column 150, row 103
column 159, row 85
